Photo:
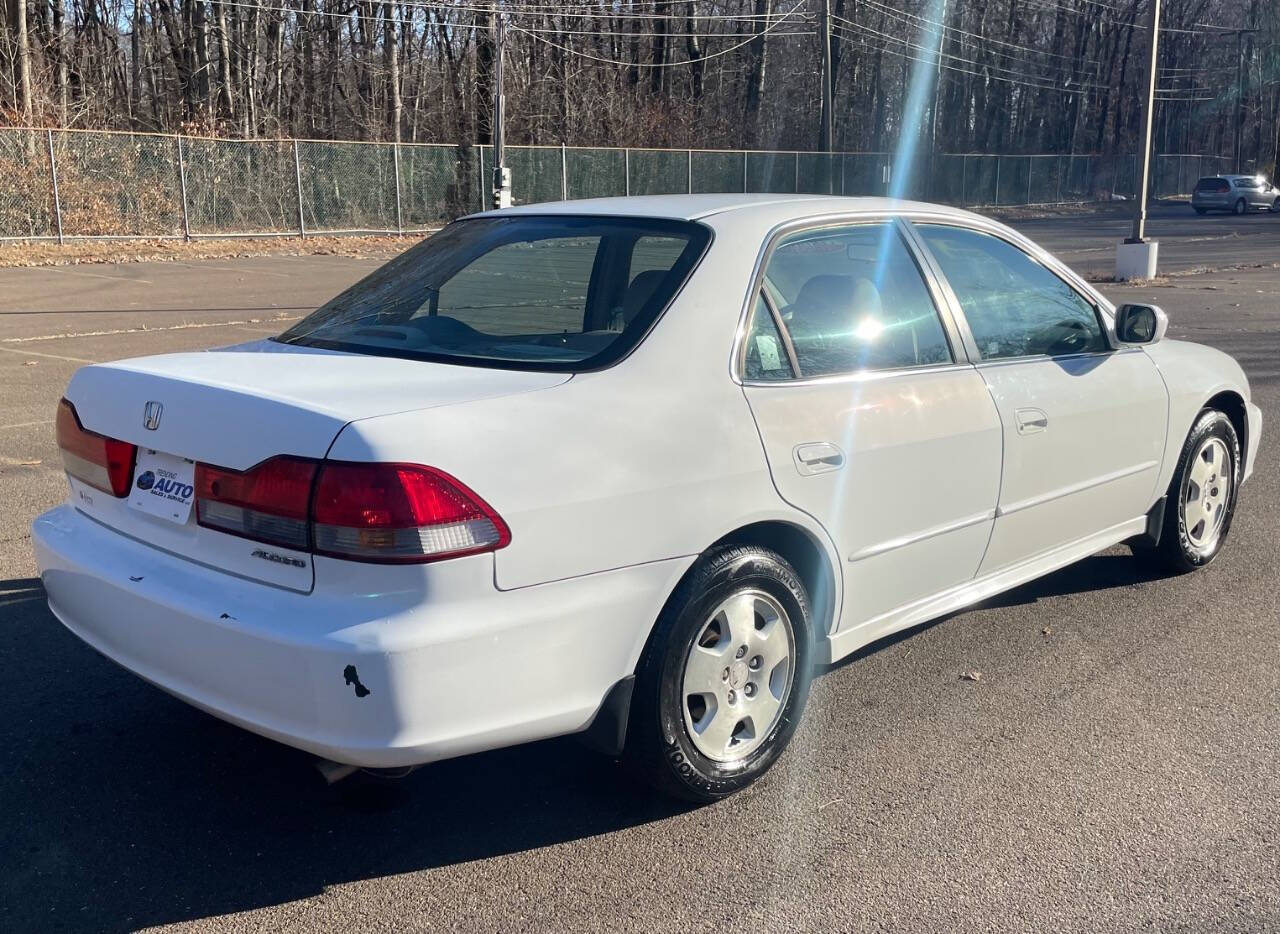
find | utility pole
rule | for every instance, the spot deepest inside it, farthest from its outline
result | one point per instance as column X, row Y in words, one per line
column 828, row 81
column 937, row 97
column 1238, row 135
column 501, row 174
column 1136, row 256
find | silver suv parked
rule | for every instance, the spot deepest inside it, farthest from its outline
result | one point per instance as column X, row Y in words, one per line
column 1238, row 194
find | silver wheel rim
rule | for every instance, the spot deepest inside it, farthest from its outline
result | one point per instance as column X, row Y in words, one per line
column 1206, row 493
column 738, row 676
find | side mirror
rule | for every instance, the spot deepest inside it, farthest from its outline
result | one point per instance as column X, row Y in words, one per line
column 1140, row 324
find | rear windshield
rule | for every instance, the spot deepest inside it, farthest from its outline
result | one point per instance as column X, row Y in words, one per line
column 1212, row 184
column 560, row 293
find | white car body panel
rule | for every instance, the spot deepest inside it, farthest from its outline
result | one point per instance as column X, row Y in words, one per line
column 911, row 509
column 1194, row 374
column 1073, row 461
column 612, row 483
column 254, row 403
column 470, row 669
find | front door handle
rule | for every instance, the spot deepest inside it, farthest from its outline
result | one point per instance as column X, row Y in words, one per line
column 1030, row 421
column 818, row 457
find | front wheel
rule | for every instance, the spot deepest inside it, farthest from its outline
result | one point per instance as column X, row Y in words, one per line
column 725, row 676
column 1201, row 211
column 1242, row 207
column 1202, row 495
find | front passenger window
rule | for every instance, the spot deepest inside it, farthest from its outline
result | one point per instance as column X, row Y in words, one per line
column 1015, row 306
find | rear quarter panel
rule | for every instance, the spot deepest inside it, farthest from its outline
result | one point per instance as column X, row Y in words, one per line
column 656, row 457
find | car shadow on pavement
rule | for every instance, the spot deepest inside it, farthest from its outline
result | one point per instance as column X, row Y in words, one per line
column 125, row 808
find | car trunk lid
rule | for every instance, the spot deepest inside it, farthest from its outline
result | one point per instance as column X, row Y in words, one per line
column 237, row 408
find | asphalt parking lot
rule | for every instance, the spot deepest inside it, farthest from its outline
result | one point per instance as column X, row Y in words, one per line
column 1115, row 768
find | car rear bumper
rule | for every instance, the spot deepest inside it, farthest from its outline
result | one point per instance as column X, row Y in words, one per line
column 432, row 662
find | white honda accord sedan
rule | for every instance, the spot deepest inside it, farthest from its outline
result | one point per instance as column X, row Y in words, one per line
column 630, row 468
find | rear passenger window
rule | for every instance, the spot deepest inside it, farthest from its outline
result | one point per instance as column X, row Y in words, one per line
column 766, row 355
column 852, row 298
column 1015, row 307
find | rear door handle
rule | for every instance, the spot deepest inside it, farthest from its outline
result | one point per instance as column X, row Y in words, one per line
column 818, row 457
column 1031, row 421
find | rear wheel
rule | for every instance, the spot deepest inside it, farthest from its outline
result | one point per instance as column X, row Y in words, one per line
column 725, row 677
column 1200, row 210
column 1202, row 495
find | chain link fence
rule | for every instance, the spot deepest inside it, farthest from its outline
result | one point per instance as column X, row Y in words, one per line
column 58, row 184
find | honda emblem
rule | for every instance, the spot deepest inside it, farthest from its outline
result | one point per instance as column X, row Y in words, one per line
column 151, row 416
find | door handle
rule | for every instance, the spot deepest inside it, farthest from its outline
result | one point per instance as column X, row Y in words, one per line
column 1031, row 421
column 818, row 457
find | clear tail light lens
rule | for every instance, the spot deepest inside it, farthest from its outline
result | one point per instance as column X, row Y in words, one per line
column 400, row 513
column 267, row 503
column 101, row 462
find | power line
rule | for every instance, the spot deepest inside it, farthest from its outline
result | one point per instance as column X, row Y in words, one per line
column 681, row 64
column 1014, row 73
column 903, row 15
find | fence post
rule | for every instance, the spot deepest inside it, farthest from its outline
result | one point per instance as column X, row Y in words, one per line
column 297, row 178
column 1059, row 194
column 395, row 161
column 564, row 173
column 964, row 180
column 626, row 169
column 744, row 171
column 998, row 161
column 795, row 183
column 53, row 177
column 182, row 187
column 842, row 175
column 690, row 171
column 1030, row 164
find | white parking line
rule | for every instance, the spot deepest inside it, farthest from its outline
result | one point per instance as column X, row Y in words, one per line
column 50, row 356
column 47, row 421
column 96, row 275
column 111, row 333
column 243, row 270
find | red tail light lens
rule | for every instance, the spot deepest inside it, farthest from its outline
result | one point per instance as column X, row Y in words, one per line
column 267, row 503
column 103, row 463
column 400, row 513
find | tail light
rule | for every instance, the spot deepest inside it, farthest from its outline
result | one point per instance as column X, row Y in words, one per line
column 101, row 462
column 267, row 503
column 391, row 513
column 400, row 513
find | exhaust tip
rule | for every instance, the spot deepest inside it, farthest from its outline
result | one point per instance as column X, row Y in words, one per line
column 334, row 772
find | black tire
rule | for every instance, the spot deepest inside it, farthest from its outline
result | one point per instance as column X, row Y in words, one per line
column 1241, row 207
column 1177, row 551
column 1201, row 211
column 659, row 745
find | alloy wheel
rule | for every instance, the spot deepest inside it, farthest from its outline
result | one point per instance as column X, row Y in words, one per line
column 1206, row 494
column 738, row 674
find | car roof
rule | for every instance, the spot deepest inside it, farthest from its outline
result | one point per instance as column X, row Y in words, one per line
column 698, row 206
